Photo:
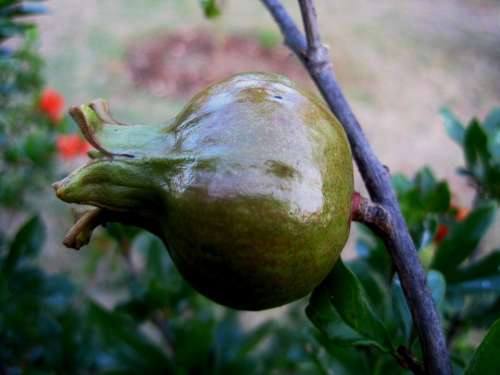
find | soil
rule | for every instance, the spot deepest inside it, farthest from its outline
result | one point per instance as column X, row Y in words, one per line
column 180, row 63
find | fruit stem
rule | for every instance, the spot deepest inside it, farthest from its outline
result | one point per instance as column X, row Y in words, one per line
column 91, row 117
column 370, row 213
column 80, row 233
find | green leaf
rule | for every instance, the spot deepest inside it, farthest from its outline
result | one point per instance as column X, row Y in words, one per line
column 492, row 127
column 341, row 360
column 133, row 351
column 210, row 8
column 492, row 122
column 194, row 339
column 401, row 310
column 340, row 308
column 425, row 180
column 401, row 183
column 39, row 147
column 376, row 288
column 23, row 9
column 485, row 284
column 438, row 199
column 476, row 149
column 486, row 360
column 27, row 242
column 486, row 266
column 326, row 318
column 437, row 285
column 233, row 344
column 453, row 126
column 463, row 239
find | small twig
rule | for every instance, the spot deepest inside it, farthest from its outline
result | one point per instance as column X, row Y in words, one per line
column 312, row 31
column 376, row 179
column 406, row 360
column 317, row 54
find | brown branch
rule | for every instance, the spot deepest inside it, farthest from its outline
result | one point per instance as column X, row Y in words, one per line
column 376, row 179
column 371, row 214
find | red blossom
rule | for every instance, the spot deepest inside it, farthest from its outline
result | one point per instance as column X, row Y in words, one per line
column 441, row 233
column 70, row 146
column 462, row 213
column 52, row 104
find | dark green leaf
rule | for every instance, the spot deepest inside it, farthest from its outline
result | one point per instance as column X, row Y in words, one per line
column 339, row 307
column 438, row 200
column 376, row 288
column 401, row 310
column 486, row 360
column 373, row 251
column 194, row 339
column 39, row 147
column 476, row 149
column 23, row 9
column 437, row 285
column 342, row 360
column 326, row 318
column 132, row 350
column 453, row 126
column 463, row 239
column 27, row 242
column 486, row 266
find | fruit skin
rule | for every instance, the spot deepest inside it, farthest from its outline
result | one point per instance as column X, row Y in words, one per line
column 249, row 187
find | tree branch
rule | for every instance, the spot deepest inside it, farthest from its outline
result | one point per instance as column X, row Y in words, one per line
column 376, row 179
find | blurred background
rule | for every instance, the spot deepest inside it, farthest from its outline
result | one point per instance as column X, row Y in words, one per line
column 400, row 63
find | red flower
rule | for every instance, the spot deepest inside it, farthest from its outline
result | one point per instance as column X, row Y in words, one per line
column 441, row 233
column 462, row 213
column 70, row 146
column 52, row 104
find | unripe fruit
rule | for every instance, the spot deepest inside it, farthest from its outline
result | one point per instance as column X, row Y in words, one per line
column 249, row 187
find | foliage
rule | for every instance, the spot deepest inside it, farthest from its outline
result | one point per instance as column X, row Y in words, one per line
column 26, row 145
column 160, row 325
column 49, row 325
column 211, row 8
column 481, row 147
column 365, row 307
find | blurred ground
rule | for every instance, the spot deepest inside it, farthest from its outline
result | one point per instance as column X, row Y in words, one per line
column 399, row 62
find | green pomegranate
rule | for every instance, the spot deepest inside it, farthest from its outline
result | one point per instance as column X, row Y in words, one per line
column 249, row 187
